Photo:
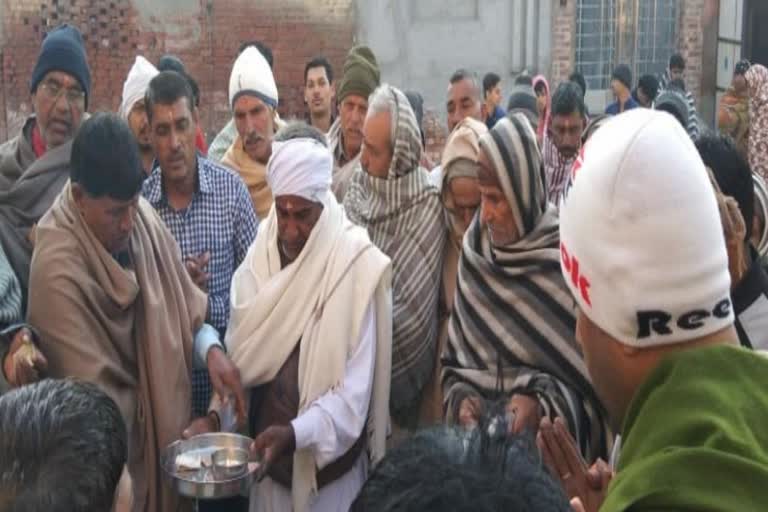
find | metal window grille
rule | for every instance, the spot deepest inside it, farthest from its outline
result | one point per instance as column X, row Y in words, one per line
column 640, row 33
column 596, row 24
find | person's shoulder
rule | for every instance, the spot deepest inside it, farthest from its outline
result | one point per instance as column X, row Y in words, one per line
column 221, row 175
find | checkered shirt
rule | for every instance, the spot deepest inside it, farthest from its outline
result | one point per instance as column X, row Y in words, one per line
column 220, row 220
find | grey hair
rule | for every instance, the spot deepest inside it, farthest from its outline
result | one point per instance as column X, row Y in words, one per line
column 381, row 101
column 465, row 74
column 54, row 431
column 300, row 130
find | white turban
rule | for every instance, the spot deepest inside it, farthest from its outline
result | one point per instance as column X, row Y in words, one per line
column 252, row 75
column 136, row 84
column 300, row 167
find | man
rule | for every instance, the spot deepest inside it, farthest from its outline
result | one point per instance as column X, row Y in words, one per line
column 134, row 111
column 647, row 90
column 736, row 196
column 733, row 111
column 443, row 470
column 361, row 76
column 510, row 337
column 319, row 91
column 226, row 136
column 621, row 86
column 63, row 445
column 253, row 99
column 114, row 305
column 205, row 206
column 173, row 63
column 402, row 211
column 492, row 96
column 673, row 102
column 674, row 78
column 656, row 326
column 34, row 165
column 311, row 332
column 563, row 137
column 21, row 362
column 463, row 99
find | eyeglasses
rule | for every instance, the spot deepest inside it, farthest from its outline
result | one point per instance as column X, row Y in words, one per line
column 53, row 90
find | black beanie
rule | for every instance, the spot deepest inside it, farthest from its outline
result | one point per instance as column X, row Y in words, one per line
column 63, row 50
column 623, row 74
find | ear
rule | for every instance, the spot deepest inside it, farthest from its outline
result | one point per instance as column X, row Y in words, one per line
column 196, row 115
column 333, row 92
column 483, row 111
column 78, row 194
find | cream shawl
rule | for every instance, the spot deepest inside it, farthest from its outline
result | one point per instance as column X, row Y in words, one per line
column 130, row 331
column 319, row 301
column 253, row 173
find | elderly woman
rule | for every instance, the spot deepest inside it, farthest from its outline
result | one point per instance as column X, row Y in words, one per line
column 511, row 342
column 757, row 88
column 733, row 113
column 460, row 196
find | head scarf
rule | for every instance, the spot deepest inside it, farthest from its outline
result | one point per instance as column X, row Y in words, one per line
column 512, row 327
column 300, row 167
column 460, row 157
column 541, row 130
column 404, row 218
column 135, row 86
column 757, row 85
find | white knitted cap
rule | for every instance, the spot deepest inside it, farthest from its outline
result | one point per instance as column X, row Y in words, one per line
column 642, row 245
column 251, row 74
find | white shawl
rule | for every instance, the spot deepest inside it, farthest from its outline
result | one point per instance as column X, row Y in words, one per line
column 318, row 300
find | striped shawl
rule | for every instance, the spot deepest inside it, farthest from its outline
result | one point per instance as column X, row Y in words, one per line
column 404, row 218
column 513, row 323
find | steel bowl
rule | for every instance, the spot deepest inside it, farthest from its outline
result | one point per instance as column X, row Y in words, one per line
column 229, row 463
column 204, row 483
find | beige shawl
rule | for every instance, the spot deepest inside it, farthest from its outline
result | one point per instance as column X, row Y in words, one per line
column 318, row 301
column 253, row 173
column 128, row 330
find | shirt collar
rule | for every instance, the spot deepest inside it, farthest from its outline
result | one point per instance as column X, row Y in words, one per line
column 155, row 193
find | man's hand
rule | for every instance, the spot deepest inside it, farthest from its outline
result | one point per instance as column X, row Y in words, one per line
column 470, row 411
column 225, row 379
column 24, row 363
column 271, row 444
column 560, row 454
column 526, row 413
column 197, row 266
column 202, row 425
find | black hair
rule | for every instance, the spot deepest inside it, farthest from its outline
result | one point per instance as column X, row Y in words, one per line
column 524, row 79
column 568, row 99
column 173, row 63
column 265, row 51
column 105, row 159
column 63, row 445
column 166, row 89
column 677, row 61
column 650, row 86
column 449, row 469
column 319, row 62
column 677, row 84
column 540, row 87
column 578, row 78
column 731, row 172
column 490, row 80
column 464, row 74
column 741, row 67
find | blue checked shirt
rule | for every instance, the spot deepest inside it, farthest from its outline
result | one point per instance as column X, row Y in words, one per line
column 219, row 220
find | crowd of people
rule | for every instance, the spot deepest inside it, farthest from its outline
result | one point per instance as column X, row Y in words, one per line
column 566, row 313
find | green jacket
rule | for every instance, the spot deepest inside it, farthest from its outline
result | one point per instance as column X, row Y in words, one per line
column 696, row 436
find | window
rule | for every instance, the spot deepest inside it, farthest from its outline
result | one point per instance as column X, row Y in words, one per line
column 641, row 33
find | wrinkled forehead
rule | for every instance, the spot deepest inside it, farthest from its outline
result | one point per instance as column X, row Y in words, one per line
column 462, row 89
column 62, row 78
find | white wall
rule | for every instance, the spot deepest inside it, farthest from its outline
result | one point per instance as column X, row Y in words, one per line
column 420, row 43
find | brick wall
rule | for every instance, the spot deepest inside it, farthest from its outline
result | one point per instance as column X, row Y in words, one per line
column 691, row 43
column 563, row 42
column 203, row 33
